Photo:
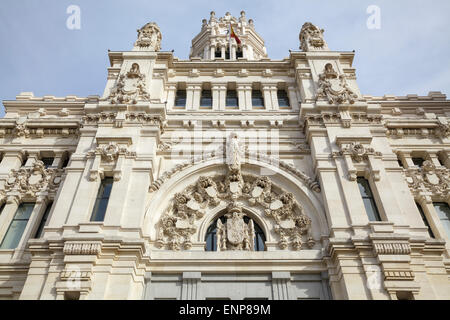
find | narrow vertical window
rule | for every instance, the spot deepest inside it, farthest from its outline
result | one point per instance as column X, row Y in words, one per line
column 283, row 99
column 443, row 211
column 66, row 161
column 425, row 221
column 17, row 226
column 239, row 53
column 206, row 99
column 43, row 221
column 101, row 203
column 218, row 53
column 232, row 101
column 257, row 99
column 180, row 99
column 369, row 201
column 227, row 54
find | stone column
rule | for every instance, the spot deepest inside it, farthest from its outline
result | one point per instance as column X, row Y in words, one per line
column 215, row 90
column 189, row 289
column 273, row 93
column 171, row 92
column 281, row 285
column 267, row 96
column 293, row 100
column 32, row 158
column 244, row 91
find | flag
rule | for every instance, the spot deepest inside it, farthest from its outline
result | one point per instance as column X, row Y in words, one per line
column 233, row 35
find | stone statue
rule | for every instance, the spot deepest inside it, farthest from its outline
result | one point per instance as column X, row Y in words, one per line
column 149, row 38
column 234, row 151
column 311, row 38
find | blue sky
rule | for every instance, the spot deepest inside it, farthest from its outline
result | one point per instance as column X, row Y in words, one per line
column 408, row 54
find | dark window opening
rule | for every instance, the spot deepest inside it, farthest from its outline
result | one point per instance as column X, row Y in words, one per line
column 418, row 161
column 404, row 295
column 71, row 295
column 368, row 199
column 227, row 54
column 43, row 221
column 66, row 161
column 257, row 99
column 283, row 99
column 180, row 99
column 48, row 161
column 218, row 53
column 206, row 99
column 101, row 203
column 232, row 99
column 239, row 53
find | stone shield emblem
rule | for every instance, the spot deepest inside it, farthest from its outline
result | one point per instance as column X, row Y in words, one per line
column 235, row 230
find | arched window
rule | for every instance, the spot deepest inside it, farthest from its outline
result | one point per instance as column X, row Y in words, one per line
column 211, row 235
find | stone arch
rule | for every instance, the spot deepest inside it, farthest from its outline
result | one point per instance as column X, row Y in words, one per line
column 282, row 179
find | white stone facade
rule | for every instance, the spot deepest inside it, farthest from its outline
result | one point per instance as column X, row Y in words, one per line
column 277, row 161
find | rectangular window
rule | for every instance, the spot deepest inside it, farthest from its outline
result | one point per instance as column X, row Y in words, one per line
column 425, row 221
column 66, row 161
column 206, row 99
column 101, row 203
column 443, row 211
column 17, row 226
column 283, row 99
column 369, row 201
column 418, row 161
column 232, row 101
column 257, row 99
column 218, row 53
column 43, row 221
column 47, row 162
column 227, row 54
column 180, row 99
column 239, row 53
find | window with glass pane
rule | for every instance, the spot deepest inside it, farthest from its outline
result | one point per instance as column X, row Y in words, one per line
column 418, row 161
column 47, row 161
column 443, row 211
column 425, row 221
column 206, row 99
column 43, row 221
column 231, row 99
column 239, row 53
column 180, row 99
column 283, row 99
column 369, row 201
column 211, row 236
column 257, row 99
column 101, row 203
column 17, row 226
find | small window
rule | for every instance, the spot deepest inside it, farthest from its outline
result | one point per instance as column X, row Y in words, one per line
column 283, row 99
column 400, row 163
column 218, row 53
column 443, row 211
column 47, row 162
column 43, row 221
column 425, row 221
column 227, row 54
column 418, row 161
column 180, row 99
column 17, row 226
column 66, row 161
column 369, row 201
column 101, row 203
column 206, row 99
column 232, row 101
column 239, row 53
column 257, row 99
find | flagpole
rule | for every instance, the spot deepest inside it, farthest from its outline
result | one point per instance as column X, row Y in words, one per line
column 229, row 39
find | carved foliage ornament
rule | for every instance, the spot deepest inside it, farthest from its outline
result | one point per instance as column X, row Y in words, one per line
column 130, row 88
column 429, row 179
column 311, row 38
column 334, row 88
column 357, row 151
column 149, row 37
column 30, row 181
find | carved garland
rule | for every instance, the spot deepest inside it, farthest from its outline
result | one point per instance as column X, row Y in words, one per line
column 429, row 179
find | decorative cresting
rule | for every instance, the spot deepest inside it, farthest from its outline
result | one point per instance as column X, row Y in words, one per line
column 235, row 234
column 178, row 223
column 130, row 87
column 110, row 157
column 149, row 38
column 358, row 153
column 82, row 248
column 311, row 38
column 28, row 182
column 429, row 179
column 334, row 88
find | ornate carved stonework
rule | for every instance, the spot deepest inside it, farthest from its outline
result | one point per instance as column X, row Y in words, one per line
column 178, row 223
column 443, row 130
column 333, row 88
column 311, row 38
column 429, row 179
column 357, row 151
column 235, row 234
column 149, row 38
column 110, row 152
column 82, row 248
column 130, row 88
column 30, row 181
